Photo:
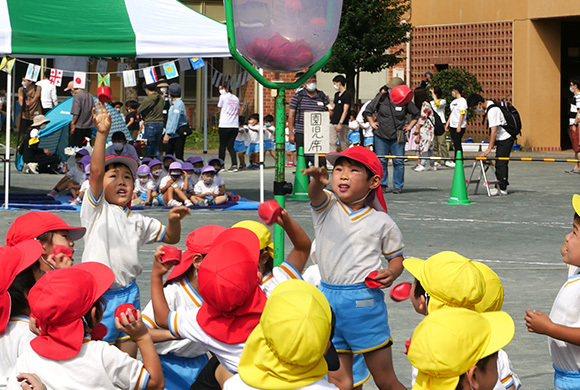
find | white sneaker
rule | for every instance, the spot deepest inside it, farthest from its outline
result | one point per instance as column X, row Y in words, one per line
column 26, row 169
column 174, row 203
column 419, row 168
column 75, row 202
column 431, row 168
column 188, row 203
column 437, row 165
column 450, row 164
column 202, row 203
column 497, row 192
column 33, row 168
column 155, row 202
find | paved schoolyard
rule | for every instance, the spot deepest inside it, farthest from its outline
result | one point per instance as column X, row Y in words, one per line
column 518, row 235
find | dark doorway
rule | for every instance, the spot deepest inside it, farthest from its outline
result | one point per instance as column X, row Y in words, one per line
column 570, row 68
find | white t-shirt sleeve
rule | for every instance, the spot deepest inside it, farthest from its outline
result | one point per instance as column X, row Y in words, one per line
column 199, row 188
column 124, row 371
column 149, row 316
column 285, row 271
column 392, row 241
column 91, row 209
column 182, row 323
column 319, row 212
column 506, row 377
column 153, row 230
column 221, row 101
column 151, row 185
column 495, row 117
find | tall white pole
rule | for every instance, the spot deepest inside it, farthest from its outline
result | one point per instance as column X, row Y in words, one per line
column 8, row 125
column 205, row 86
column 261, row 137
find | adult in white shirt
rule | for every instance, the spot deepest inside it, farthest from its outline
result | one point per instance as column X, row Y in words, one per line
column 229, row 109
column 457, row 120
column 48, row 97
column 498, row 138
column 440, row 148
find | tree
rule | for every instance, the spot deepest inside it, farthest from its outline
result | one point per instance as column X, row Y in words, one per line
column 448, row 78
column 368, row 29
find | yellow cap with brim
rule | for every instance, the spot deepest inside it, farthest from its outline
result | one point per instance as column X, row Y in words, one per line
column 493, row 298
column 447, row 343
column 286, row 349
column 450, row 280
column 576, row 203
column 261, row 231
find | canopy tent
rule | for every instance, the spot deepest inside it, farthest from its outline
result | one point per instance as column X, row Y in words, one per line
column 109, row 28
column 105, row 28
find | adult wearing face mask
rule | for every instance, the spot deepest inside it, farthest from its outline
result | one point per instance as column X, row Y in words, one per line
column 151, row 112
column 120, row 147
column 306, row 100
column 36, row 159
column 229, row 109
column 30, row 103
column 339, row 118
column 173, row 139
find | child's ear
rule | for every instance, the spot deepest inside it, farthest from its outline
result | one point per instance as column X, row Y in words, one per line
column 422, row 305
column 197, row 258
column 473, row 375
column 375, row 182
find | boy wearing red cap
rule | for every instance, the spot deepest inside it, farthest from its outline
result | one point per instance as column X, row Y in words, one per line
column 182, row 360
column 67, row 304
column 114, row 234
column 232, row 298
column 353, row 232
column 16, row 280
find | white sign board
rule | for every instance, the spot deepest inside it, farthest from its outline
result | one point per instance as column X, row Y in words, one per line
column 316, row 132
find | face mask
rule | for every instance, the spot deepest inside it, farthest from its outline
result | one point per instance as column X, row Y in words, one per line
column 479, row 109
column 42, row 126
column 208, row 182
column 163, row 89
column 197, row 171
column 24, row 84
column 268, row 125
column 156, row 173
column 572, row 89
column 143, row 180
column 118, row 146
column 176, row 176
column 310, row 87
column 222, row 92
column 335, row 87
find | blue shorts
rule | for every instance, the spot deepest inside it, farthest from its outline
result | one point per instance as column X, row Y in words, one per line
column 239, row 146
column 360, row 372
column 143, row 195
column 290, row 147
column 353, row 137
column 129, row 294
column 369, row 141
column 181, row 372
column 268, row 144
column 253, row 148
column 566, row 380
column 362, row 322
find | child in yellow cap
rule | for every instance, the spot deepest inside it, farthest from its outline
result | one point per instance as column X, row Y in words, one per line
column 448, row 279
column 455, row 348
column 563, row 325
column 271, row 359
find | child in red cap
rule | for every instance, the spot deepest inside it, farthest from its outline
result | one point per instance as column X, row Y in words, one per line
column 16, row 280
column 232, row 299
column 114, row 234
column 68, row 305
column 182, row 360
column 353, row 234
column 50, row 230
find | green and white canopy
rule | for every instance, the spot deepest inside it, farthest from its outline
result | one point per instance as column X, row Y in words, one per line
column 109, row 28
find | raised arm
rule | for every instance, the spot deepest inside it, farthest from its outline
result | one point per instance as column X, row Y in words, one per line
column 102, row 121
column 299, row 254
column 319, row 180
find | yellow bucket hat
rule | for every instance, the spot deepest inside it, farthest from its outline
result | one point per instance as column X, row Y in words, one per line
column 261, row 231
column 449, row 278
column 576, row 203
column 493, row 297
column 286, row 349
column 448, row 342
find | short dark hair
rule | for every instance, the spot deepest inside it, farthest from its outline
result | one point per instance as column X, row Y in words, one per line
column 100, row 304
column 458, row 88
column 419, row 290
column 474, row 99
column 47, row 73
column 118, row 136
column 575, row 81
column 339, row 79
column 268, row 118
column 340, row 160
column 255, row 116
column 132, row 104
column 150, row 87
column 438, row 92
column 19, row 289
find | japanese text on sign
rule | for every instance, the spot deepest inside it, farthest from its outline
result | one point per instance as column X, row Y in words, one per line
column 316, row 127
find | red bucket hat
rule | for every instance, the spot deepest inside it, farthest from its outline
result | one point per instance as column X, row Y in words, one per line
column 229, row 286
column 59, row 300
column 31, row 225
column 369, row 159
column 15, row 259
column 198, row 241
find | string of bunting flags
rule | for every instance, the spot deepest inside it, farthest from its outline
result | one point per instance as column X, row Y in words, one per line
column 151, row 74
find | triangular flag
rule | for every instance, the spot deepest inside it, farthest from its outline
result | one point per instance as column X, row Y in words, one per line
column 3, row 63
column 170, row 70
column 129, row 79
column 196, row 63
column 79, row 80
column 104, row 81
column 9, row 65
column 150, row 75
column 56, row 77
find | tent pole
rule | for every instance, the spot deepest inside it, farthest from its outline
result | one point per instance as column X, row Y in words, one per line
column 261, row 136
column 205, row 86
column 8, row 125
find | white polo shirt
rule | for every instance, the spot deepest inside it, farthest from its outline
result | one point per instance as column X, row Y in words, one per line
column 12, row 343
column 141, row 188
column 201, row 188
column 178, row 293
column 458, row 107
column 183, row 324
column 98, row 366
column 236, row 383
column 115, row 235
column 566, row 311
column 76, row 175
column 351, row 244
column 48, row 97
column 496, row 119
column 285, row 271
column 177, row 184
column 153, row 185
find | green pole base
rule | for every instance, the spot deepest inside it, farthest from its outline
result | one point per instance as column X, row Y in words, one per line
column 299, row 196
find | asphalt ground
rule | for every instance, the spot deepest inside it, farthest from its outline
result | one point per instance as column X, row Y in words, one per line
column 518, row 235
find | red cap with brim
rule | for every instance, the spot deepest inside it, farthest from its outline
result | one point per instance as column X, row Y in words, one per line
column 198, row 241
column 35, row 223
column 229, row 286
column 15, row 259
column 130, row 162
column 59, row 300
column 368, row 158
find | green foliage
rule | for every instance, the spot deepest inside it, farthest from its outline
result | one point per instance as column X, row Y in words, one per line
column 448, row 78
column 368, row 29
column 195, row 140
